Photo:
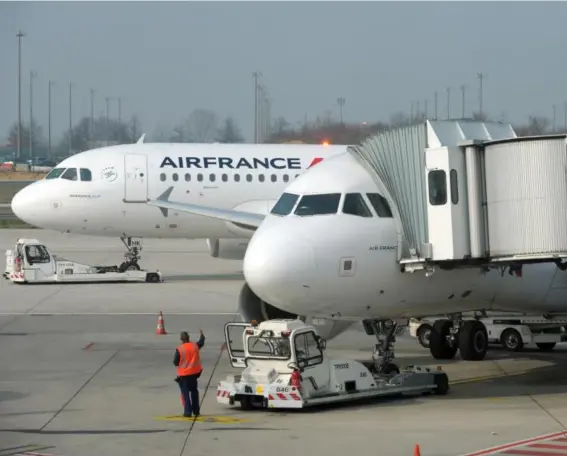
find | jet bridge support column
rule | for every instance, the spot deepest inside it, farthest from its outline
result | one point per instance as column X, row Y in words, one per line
column 475, row 198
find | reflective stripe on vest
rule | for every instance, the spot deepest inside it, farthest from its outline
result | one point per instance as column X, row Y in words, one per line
column 189, row 359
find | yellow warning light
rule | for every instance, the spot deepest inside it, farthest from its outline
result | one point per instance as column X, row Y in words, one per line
column 254, row 323
column 259, row 390
column 325, row 143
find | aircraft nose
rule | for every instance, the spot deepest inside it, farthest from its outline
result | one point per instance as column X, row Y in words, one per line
column 278, row 266
column 25, row 205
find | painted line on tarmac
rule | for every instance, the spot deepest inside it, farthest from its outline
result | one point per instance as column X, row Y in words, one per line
column 204, row 419
column 486, row 377
column 48, row 314
column 508, row 448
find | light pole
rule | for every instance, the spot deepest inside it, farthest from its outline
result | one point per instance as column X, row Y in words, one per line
column 448, row 103
column 480, row 77
column 49, row 86
column 33, row 75
column 463, row 101
column 70, row 118
column 20, row 35
column 92, row 91
column 341, row 102
column 256, row 75
column 107, row 120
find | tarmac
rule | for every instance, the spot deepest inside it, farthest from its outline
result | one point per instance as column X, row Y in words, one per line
column 83, row 373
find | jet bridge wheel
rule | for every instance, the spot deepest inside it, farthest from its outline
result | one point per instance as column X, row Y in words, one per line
column 439, row 344
column 473, row 340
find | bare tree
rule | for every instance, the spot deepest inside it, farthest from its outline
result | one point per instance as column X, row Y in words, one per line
column 201, row 126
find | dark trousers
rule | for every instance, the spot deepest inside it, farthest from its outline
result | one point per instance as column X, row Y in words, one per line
column 190, row 394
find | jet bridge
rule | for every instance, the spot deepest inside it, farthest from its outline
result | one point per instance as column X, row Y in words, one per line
column 469, row 193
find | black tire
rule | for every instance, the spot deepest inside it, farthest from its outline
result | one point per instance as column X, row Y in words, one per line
column 439, row 346
column 546, row 346
column 473, row 340
column 246, row 403
column 442, row 382
column 512, row 340
column 390, row 368
column 423, row 334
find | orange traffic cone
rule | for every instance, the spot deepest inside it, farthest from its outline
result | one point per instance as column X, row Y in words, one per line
column 160, row 330
column 416, row 451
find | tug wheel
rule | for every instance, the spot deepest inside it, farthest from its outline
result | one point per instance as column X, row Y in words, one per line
column 512, row 340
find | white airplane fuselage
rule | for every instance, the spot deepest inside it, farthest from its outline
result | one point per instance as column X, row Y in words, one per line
column 123, row 178
column 297, row 262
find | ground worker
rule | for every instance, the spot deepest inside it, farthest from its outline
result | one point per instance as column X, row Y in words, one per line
column 188, row 361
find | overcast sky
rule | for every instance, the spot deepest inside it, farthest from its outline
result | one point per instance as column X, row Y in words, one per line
column 165, row 59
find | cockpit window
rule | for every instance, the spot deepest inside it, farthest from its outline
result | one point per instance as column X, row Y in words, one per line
column 318, row 204
column 70, row 174
column 55, row 173
column 354, row 205
column 380, row 205
column 86, row 174
column 285, row 204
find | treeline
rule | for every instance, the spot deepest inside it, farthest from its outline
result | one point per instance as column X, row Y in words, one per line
column 203, row 125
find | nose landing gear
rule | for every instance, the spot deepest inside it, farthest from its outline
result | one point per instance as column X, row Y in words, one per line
column 132, row 256
column 469, row 337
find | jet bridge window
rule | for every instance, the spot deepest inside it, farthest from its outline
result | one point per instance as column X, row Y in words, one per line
column 55, row 173
column 285, row 204
column 380, row 205
column 437, row 181
column 454, row 186
column 354, row 205
column 268, row 345
column 318, row 204
column 70, row 174
column 307, row 350
column 86, row 175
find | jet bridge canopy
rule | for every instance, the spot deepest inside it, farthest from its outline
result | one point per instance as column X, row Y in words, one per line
column 411, row 165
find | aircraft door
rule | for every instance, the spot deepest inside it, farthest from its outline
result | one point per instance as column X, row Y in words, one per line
column 135, row 178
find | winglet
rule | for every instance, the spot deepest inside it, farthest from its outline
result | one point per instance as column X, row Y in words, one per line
column 141, row 140
column 165, row 197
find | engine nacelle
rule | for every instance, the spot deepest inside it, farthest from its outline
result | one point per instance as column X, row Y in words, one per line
column 251, row 307
column 228, row 249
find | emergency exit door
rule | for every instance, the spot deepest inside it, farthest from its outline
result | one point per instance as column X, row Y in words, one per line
column 136, row 178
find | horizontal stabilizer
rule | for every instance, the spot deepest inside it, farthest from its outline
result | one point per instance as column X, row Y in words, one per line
column 247, row 220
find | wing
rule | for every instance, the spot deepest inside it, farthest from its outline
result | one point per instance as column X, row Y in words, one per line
column 247, row 220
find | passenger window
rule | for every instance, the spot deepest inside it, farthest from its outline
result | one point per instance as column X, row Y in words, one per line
column 55, row 173
column 454, row 187
column 212, row 177
column 318, row 204
column 175, row 177
column 200, row 177
column 237, row 178
column 224, row 177
column 86, row 175
column 70, row 174
column 285, row 204
column 162, row 177
column 307, row 350
column 261, row 178
column 249, row 177
column 187, row 177
column 437, row 181
column 354, row 205
column 380, row 205
column 274, row 178
column 285, row 178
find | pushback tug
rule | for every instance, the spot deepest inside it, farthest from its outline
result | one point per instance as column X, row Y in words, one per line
column 31, row 262
column 285, row 367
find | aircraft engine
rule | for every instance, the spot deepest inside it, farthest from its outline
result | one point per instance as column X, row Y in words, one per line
column 227, row 249
column 251, row 307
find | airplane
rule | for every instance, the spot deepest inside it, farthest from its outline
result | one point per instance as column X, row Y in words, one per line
column 328, row 249
column 103, row 192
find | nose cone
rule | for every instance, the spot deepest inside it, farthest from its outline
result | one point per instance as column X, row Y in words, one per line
column 278, row 267
column 29, row 204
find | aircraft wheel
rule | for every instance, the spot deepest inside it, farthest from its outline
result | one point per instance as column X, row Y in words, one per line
column 546, row 346
column 423, row 335
column 439, row 346
column 473, row 340
column 512, row 340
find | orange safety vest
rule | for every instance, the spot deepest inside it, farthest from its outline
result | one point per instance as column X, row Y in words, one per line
column 189, row 359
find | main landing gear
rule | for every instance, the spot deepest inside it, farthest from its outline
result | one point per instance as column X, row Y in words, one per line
column 132, row 256
column 383, row 354
column 469, row 337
